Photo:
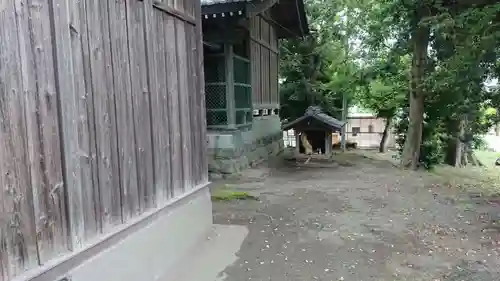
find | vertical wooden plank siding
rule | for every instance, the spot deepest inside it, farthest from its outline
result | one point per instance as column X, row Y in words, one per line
column 200, row 94
column 128, row 190
column 156, row 86
column 102, row 117
column 86, row 148
column 41, row 115
column 68, row 107
column 163, row 107
column 265, row 64
column 101, row 82
column 17, row 234
column 259, row 58
column 273, row 42
column 174, row 105
column 253, row 63
column 194, row 102
column 111, row 200
column 183, row 92
column 169, row 80
column 264, row 61
column 141, row 103
column 90, row 194
column 190, row 101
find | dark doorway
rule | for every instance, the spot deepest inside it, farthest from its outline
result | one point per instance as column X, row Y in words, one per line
column 317, row 141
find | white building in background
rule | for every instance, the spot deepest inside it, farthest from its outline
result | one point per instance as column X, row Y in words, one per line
column 363, row 128
column 289, row 138
column 366, row 129
column 493, row 142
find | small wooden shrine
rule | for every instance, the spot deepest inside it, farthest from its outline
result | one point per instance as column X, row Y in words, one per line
column 313, row 131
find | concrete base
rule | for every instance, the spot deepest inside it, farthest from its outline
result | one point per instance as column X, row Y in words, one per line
column 147, row 250
column 211, row 258
column 232, row 152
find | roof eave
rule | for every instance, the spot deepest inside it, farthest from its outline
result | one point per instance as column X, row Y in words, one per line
column 291, row 19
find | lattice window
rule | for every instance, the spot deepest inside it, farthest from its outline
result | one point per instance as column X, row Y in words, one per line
column 242, row 91
column 215, row 89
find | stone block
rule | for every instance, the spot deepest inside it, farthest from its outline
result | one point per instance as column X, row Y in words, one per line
column 232, row 161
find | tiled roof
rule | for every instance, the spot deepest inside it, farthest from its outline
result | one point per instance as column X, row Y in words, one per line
column 316, row 113
column 213, row 2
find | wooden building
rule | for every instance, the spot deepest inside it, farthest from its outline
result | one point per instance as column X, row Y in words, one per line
column 241, row 77
column 102, row 138
column 313, row 131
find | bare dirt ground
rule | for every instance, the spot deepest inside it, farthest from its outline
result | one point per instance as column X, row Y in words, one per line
column 360, row 219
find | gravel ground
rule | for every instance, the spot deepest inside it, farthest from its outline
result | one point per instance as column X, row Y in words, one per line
column 360, row 220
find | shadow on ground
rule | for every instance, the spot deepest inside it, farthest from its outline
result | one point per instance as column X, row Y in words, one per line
column 362, row 221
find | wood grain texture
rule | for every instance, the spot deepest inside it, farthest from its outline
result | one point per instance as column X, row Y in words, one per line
column 17, row 225
column 265, row 63
column 174, row 105
column 128, row 191
column 90, row 193
column 43, row 139
column 191, row 53
column 184, row 112
column 141, row 104
column 161, row 117
column 68, row 108
column 104, row 113
column 200, row 94
column 84, row 124
column 178, row 5
column 102, row 117
column 158, row 130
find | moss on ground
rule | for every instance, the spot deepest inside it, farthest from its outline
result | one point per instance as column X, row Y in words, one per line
column 223, row 194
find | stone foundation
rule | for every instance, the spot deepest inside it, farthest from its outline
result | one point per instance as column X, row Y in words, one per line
column 227, row 161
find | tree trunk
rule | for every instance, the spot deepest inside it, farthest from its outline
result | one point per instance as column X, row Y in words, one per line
column 411, row 150
column 385, row 135
column 497, row 129
column 455, row 150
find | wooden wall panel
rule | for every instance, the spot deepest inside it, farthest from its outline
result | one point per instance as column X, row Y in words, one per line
column 69, row 96
column 43, row 139
column 253, row 69
column 86, row 124
column 200, row 94
column 183, row 92
column 174, row 105
column 264, row 54
column 141, row 104
column 101, row 118
column 128, row 189
column 103, row 97
column 263, row 75
column 159, row 103
column 18, row 245
column 192, row 102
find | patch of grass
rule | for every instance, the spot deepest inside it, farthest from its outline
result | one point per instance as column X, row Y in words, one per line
column 230, row 195
column 482, row 179
column 488, row 158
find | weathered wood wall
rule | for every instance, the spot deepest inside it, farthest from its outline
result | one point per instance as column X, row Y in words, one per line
column 101, row 118
column 265, row 63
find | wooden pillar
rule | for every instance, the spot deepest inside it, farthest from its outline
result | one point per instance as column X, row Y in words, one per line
column 230, row 102
column 328, row 143
column 297, row 142
column 343, row 143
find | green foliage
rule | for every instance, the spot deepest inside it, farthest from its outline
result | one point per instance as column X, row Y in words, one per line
column 321, row 68
column 433, row 140
column 224, row 194
column 386, row 85
column 364, row 49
